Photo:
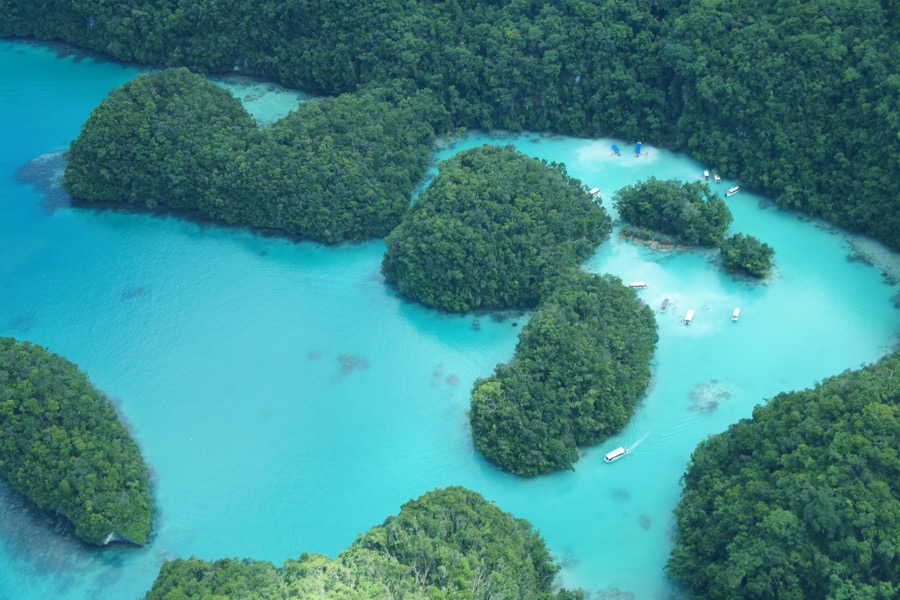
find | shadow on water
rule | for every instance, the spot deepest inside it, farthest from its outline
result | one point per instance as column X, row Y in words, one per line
column 45, row 544
column 45, row 173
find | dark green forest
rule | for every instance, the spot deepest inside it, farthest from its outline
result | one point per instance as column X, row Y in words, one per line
column 449, row 543
column 581, row 365
column 796, row 98
column 335, row 170
column 689, row 212
column 63, row 447
column 490, row 230
column 802, row 500
column 747, row 254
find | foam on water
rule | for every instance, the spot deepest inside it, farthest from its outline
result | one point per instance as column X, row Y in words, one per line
column 287, row 400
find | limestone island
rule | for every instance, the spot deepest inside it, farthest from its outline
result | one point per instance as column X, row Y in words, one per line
column 63, row 447
column 581, row 365
column 490, row 230
column 449, row 543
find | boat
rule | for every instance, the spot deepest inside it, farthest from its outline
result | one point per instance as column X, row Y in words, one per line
column 665, row 305
column 717, row 178
column 638, row 284
column 706, row 174
column 733, row 191
column 637, row 149
column 689, row 317
column 616, row 150
column 736, row 314
column 615, row 454
column 594, row 191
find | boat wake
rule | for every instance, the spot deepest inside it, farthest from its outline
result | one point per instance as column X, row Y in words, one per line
column 637, row 443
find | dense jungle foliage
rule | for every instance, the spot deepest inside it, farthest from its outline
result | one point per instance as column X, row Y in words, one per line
column 334, row 170
column 802, row 500
column 797, row 98
column 62, row 446
column 490, row 229
column 747, row 254
column 690, row 212
column 449, row 543
column 581, row 365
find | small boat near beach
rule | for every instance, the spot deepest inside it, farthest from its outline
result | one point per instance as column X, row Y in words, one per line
column 615, row 454
column 639, row 285
column 717, row 178
column 733, row 191
column 689, row 317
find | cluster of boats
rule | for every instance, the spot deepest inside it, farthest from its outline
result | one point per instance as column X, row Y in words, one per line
column 689, row 315
column 717, row 179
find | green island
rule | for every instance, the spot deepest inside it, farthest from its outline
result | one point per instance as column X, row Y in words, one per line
column 747, row 254
column 796, row 99
column 63, row 447
column 449, row 543
column 490, row 230
column 581, row 365
column 335, row 170
column 688, row 213
column 802, row 500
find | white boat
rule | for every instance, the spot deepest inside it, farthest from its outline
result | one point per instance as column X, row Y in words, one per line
column 733, row 191
column 736, row 314
column 615, row 454
column 638, row 284
column 689, row 317
column 594, row 191
column 717, row 178
column 705, row 173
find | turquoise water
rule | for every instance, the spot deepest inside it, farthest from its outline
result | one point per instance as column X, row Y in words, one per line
column 287, row 400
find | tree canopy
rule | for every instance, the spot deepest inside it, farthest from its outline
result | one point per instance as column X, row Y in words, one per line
column 802, row 500
column 63, row 447
column 491, row 228
column 334, row 170
column 797, row 99
column 747, row 254
column 688, row 211
column 449, row 543
column 581, row 365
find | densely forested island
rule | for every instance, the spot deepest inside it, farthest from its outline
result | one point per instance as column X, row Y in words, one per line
column 334, row 170
column 491, row 228
column 687, row 212
column 747, row 254
column 450, row 543
column 581, row 365
column 797, row 99
column 63, row 447
column 802, row 500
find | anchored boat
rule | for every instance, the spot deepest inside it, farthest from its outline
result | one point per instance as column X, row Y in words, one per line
column 733, row 191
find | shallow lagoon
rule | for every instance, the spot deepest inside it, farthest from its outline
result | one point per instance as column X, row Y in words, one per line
column 287, row 400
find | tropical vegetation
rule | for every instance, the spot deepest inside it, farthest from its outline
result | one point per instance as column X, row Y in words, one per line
column 490, row 230
column 689, row 212
column 579, row 369
column 797, row 99
column 747, row 254
column 63, row 447
column 449, row 543
column 335, row 170
column 802, row 500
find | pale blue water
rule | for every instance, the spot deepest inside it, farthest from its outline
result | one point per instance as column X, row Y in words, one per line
column 287, row 400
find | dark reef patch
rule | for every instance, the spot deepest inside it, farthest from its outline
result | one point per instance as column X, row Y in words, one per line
column 20, row 324
column 706, row 396
column 350, row 363
column 645, row 522
column 135, row 291
column 45, row 173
